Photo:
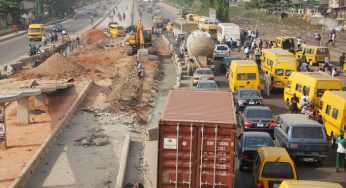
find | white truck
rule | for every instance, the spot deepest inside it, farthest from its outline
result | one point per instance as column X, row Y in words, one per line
column 228, row 31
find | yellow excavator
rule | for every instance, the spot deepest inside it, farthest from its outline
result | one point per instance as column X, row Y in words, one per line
column 140, row 39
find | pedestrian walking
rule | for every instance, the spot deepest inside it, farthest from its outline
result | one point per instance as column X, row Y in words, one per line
column 15, row 27
column 257, row 33
column 56, row 37
column 91, row 20
column 304, row 67
column 342, row 60
column 319, row 39
column 294, row 104
column 44, row 40
column 124, row 16
column 299, row 42
column 267, row 83
column 238, row 45
column 247, row 52
column 139, row 69
column 340, row 151
column 260, row 44
column 332, row 38
column 334, row 72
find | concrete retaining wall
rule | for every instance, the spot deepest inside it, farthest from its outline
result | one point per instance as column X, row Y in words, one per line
column 176, row 61
column 43, row 150
column 123, row 162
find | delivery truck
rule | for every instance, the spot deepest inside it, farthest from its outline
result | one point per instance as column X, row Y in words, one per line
column 196, row 146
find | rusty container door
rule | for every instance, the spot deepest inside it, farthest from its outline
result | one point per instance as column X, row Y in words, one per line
column 177, row 157
column 215, row 157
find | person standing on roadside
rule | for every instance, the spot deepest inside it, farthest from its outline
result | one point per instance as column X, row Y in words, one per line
column 247, row 52
column 340, row 151
column 299, row 42
column 294, row 104
column 92, row 20
column 342, row 60
column 319, row 39
column 124, row 16
column 332, row 38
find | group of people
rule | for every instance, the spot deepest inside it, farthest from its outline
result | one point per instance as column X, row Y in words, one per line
column 34, row 50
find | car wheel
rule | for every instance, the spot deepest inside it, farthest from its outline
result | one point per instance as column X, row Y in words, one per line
column 241, row 166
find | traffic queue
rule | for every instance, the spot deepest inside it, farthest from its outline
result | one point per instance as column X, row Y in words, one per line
column 313, row 95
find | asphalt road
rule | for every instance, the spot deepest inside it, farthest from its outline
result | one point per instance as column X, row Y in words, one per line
column 14, row 49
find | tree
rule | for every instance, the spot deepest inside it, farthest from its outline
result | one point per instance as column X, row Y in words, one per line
column 13, row 7
column 60, row 7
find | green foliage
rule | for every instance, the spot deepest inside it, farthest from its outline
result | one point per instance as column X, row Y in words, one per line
column 60, row 7
column 14, row 7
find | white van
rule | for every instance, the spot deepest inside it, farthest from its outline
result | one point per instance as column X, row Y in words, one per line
column 227, row 31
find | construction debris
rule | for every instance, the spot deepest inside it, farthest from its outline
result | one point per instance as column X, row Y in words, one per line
column 93, row 140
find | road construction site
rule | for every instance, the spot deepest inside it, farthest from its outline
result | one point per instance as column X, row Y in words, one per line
column 82, row 118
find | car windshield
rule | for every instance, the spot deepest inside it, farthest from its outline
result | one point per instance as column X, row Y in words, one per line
column 288, row 72
column 204, row 72
column 256, row 142
column 246, row 76
column 259, row 114
column 207, row 85
column 223, row 48
column 35, row 30
column 307, row 132
column 277, row 170
column 249, row 94
column 322, row 51
column 279, row 72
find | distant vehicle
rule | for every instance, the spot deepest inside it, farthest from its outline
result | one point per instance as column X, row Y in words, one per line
column 207, row 85
column 92, row 12
column 132, row 28
column 243, row 74
column 57, row 28
column 301, row 136
column 202, row 74
column 246, row 97
column 257, row 118
column 247, row 145
column 116, row 30
column 228, row 31
column 36, row 31
column 221, row 51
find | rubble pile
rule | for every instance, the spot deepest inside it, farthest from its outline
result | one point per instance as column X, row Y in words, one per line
column 56, row 67
column 92, row 140
column 94, row 35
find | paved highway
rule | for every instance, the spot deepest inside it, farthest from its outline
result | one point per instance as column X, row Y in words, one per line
column 14, row 49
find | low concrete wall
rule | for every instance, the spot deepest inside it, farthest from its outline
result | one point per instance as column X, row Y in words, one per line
column 123, row 162
column 43, row 150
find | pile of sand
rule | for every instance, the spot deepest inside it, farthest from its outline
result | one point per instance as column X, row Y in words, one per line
column 56, row 67
column 94, row 35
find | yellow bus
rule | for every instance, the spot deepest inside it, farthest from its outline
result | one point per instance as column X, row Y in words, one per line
column 243, row 74
column 209, row 25
column 280, row 64
column 314, row 84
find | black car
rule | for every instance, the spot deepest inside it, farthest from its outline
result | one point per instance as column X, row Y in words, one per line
column 247, row 145
column 246, row 97
column 257, row 118
column 57, row 28
column 132, row 28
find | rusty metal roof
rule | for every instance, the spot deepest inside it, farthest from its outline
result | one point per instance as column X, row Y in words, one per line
column 199, row 107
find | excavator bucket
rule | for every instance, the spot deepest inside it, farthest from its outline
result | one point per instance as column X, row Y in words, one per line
column 143, row 54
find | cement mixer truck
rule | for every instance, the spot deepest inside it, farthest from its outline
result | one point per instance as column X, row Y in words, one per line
column 197, row 51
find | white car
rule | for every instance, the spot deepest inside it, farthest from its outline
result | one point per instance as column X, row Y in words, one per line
column 221, row 51
column 202, row 74
column 206, row 85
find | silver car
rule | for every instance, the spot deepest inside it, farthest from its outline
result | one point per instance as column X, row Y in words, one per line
column 207, row 84
column 221, row 51
column 202, row 74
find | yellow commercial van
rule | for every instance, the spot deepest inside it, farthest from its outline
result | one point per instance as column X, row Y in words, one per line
column 333, row 112
column 315, row 53
column 286, row 43
column 272, row 166
column 280, row 64
column 116, row 30
column 308, row 184
column 36, row 31
column 243, row 74
column 314, row 84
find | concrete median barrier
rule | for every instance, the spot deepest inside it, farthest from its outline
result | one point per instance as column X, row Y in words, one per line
column 23, row 178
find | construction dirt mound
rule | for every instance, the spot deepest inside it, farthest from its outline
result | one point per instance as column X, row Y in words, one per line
column 94, row 35
column 56, row 67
